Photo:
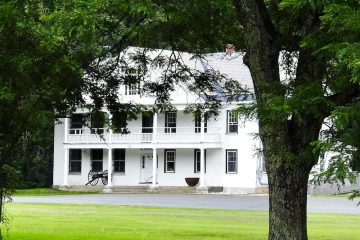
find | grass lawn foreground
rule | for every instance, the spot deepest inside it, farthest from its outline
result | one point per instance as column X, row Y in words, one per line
column 75, row 222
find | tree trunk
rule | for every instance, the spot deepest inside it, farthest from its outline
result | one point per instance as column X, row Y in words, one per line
column 287, row 203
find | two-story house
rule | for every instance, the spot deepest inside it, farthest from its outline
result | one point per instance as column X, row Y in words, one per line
column 163, row 149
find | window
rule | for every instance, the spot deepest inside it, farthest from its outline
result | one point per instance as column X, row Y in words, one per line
column 170, row 122
column 119, row 160
column 147, row 122
column 76, row 124
column 97, row 122
column 232, row 122
column 132, row 81
column 132, row 89
column 231, row 161
column 170, row 155
column 197, row 160
column 74, row 160
column 198, row 124
column 96, row 158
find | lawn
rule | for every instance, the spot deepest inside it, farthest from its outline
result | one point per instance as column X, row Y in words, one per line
column 45, row 192
column 78, row 222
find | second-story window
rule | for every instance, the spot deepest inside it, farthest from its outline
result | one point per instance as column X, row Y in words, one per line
column 76, row 123
column 232, row 122
column 96, row 158
column 170, row 122
column 97, row 122
column 198, row 124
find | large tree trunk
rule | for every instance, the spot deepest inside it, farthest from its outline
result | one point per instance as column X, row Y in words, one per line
column 287, row 208
column 287, row 138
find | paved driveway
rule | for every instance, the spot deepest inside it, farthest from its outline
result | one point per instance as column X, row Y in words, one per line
column 213, row 201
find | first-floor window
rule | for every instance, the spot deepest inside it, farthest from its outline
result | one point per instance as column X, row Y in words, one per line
column 119, row 160
column 96, row 158
column 170, row 155
column 74, row 160
column 197, row 166
column 231, row 161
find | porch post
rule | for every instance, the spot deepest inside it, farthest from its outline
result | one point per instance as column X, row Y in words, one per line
column 66, row 129
column 154, row 170
column 202, row 128
column 109, row 183
column 155, row 116
column 202, row 169
column 66, row 167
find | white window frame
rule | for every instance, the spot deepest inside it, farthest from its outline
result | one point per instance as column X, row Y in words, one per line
column 232, row 120
column 231, row 160
column 167, row 160
column 170, row 121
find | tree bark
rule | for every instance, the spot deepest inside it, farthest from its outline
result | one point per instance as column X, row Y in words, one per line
column 287, row 203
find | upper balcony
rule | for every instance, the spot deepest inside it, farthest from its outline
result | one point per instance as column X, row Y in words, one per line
column 141, row 135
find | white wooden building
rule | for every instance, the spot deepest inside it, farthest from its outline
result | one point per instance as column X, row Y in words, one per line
column 163, row 149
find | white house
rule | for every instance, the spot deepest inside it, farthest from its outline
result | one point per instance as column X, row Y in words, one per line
column 163, row 149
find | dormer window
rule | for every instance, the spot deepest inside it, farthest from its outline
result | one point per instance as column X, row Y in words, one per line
column 132, row 89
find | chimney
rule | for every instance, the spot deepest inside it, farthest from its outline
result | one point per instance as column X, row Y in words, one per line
column 229, row 49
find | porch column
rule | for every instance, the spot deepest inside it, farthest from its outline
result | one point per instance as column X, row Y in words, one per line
column 66, row 129
column 109, row 184
column 155, row 116
column 202, row 128
column 202, row 169
column 110, row 131
column 66, row 167
column 154, row 170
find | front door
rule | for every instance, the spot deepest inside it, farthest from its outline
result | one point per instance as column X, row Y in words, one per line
column 146, row 166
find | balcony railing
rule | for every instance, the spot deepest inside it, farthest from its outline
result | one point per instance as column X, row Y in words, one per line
column 144, row 135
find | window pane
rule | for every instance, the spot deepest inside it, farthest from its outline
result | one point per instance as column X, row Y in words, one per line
column 74, row 154
column 231, row 167
column 118, row 154
column 76, row 121
column 96, row 154
column 170, row 166
column 119, row 166
column 75, row 166
column 97, row 166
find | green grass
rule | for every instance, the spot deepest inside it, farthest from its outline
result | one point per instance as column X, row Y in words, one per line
column 44, row 192
column 78, row 222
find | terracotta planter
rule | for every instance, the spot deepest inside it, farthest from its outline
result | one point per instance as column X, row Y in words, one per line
column 192, row 181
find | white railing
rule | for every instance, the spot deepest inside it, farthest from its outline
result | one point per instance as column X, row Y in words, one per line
column 146, row 135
